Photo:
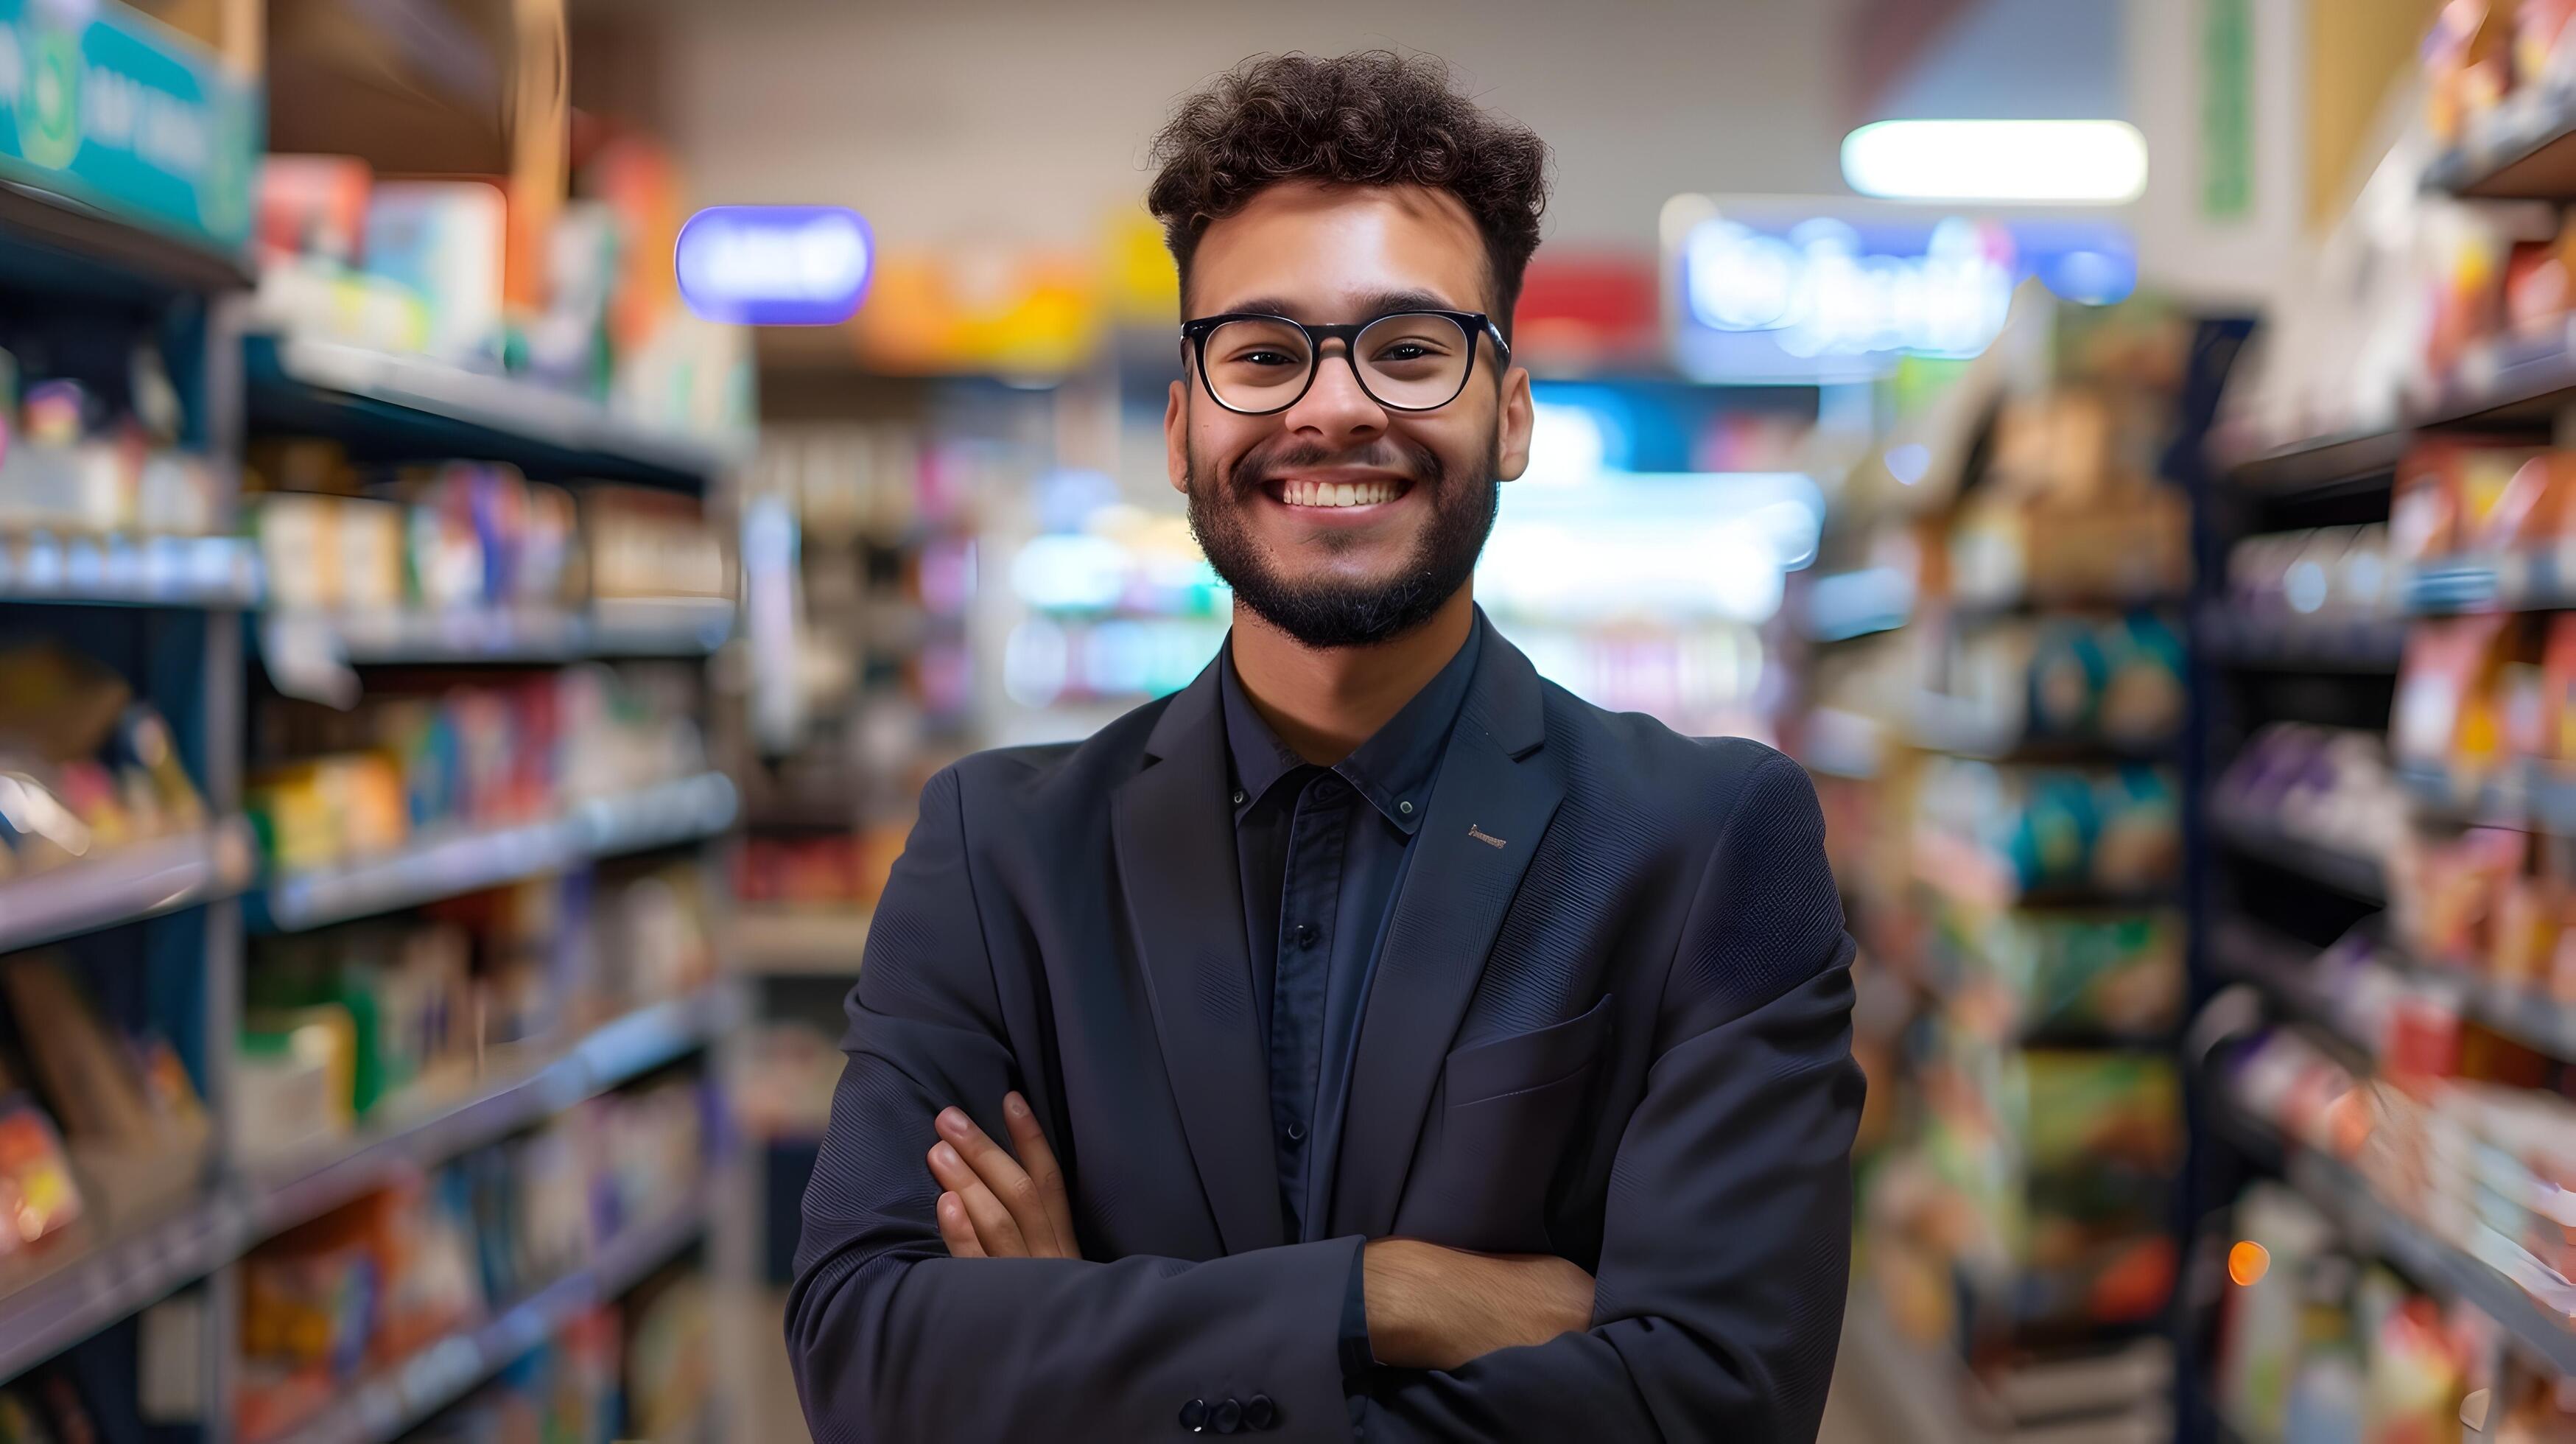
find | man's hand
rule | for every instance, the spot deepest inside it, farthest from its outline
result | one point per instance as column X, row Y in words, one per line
column 996, row 1206
column 1435, row 1308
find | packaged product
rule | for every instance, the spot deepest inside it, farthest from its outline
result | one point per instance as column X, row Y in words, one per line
column 445, row 242
column 2447, row 489
column 313, row 206
column 39, row 1197
column 2447, row 714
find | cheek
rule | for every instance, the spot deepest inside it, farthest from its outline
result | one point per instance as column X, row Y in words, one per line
column 1217, row 443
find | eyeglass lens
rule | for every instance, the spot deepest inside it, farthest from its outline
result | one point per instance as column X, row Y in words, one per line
column 1413, row 361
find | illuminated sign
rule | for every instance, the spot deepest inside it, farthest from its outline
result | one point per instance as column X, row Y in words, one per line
column 1771, row 290
column 775, row 265
column 1823, row 294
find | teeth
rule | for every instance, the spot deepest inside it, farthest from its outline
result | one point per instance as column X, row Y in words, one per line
column 1343, row 493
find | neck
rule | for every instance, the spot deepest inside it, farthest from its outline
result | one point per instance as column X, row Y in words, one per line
column 1324, row 702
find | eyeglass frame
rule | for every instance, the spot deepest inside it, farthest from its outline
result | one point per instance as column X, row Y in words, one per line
column 1471, row 324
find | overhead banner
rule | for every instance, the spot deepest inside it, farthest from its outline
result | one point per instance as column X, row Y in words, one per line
column 109, row 107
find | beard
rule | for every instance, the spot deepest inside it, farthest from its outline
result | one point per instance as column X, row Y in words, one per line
column 1323, row 611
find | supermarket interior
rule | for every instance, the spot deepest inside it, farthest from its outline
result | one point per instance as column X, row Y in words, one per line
column 504, row 505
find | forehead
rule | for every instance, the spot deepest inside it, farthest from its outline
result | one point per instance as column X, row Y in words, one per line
column 1327, row 250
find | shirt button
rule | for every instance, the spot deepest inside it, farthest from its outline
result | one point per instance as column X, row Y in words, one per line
column 1405, row 807
column 1296, row 1132
column 1304, row 933
column 1238, row 798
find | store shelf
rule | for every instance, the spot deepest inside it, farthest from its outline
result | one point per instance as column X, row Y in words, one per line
column 74, row 1296
column 658, row 816
column 2284, row 970
column 56, row 1302
column 2354, row 874
column 2339, row 462
column 407, row 1394
column 129, row 571
column 50, row 241
column 136, row 881
column 390, row 407
column 780, row 942
column 616, row 1053
column 2374, row 1227
column 2524, row 150
column 679, row 627
column 2229, row 638
column 2282, row 967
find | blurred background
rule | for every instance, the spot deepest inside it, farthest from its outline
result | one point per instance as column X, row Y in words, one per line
column 464, row 673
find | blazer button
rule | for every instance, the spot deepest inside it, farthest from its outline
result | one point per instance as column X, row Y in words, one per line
column 1194, row 1415
column 1227, row 1417
column 1259, row 1412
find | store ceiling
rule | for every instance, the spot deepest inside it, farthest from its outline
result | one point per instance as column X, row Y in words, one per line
column 1026, row 120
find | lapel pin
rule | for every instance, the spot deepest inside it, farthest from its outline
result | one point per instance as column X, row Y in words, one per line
column 1483, row 836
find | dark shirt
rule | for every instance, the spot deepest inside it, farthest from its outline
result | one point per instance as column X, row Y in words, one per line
column 1322, row 853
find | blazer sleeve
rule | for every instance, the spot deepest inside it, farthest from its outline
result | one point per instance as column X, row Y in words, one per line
column 893, row 1340
column 1726, row 1246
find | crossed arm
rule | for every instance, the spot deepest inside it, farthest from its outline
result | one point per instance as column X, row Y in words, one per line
column 1428, row 1307
column 1722, row 1260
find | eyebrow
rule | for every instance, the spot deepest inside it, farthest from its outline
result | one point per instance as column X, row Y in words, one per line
column 1370, row 305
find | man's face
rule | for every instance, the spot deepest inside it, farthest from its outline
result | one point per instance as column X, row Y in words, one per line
column 1263, row 490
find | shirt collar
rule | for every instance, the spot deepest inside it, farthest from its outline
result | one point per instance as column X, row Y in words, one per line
column 1392, row 769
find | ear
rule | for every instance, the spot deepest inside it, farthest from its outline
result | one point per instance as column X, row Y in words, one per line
column 1513, row 421
column 1176, row 437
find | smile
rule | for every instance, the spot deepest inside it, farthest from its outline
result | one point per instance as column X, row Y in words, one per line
column 1330, row 494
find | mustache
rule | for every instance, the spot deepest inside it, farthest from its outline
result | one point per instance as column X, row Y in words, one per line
column 1267, row 460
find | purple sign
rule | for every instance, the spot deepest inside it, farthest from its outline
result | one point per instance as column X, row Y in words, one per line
column 775, row 265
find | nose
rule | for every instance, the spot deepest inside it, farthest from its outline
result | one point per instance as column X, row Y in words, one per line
column 1335, row 411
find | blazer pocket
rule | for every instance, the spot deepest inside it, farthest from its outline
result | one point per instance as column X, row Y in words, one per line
column 1494, row 1150
column 1523, row 1061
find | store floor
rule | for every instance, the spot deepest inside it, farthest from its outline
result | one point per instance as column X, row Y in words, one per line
column 769, row 1392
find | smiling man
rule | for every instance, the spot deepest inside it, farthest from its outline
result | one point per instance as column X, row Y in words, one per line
column 1371, row 1040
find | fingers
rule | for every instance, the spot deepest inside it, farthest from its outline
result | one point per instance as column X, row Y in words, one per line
column 1029, row 1141
column 994, row 1228
column 956, row 1230
column 1003, row 1177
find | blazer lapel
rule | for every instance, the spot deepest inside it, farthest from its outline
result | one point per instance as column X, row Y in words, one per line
column 1487, row 812
column 1176, row 862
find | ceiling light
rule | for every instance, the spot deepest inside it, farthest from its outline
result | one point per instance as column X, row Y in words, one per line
column 2065, row 162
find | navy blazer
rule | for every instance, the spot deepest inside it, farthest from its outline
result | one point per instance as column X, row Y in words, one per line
column 1611, row 1022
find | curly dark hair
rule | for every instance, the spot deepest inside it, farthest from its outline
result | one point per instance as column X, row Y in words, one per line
column 1373, row 118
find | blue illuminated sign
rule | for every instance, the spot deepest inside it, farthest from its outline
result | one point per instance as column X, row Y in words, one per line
column 775, row 265
column 1764, row 292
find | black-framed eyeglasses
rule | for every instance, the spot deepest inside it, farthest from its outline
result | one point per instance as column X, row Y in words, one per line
column 1256, row 365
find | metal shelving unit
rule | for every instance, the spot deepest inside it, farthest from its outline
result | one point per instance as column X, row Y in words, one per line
column 60, row 1301
column 393, row 407
column 483, row 636
column 462, row 862
column 213, row 573
column 170, row 612
column 280, row 1195
column 2260, row 838
column 138, row 881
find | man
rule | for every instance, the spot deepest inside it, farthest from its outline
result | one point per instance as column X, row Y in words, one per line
column 1371, row 1040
